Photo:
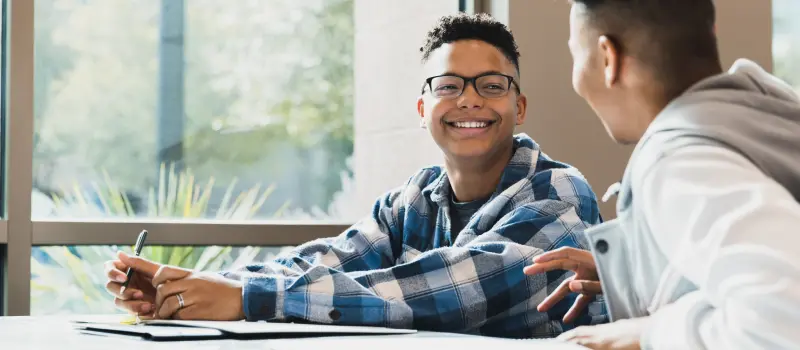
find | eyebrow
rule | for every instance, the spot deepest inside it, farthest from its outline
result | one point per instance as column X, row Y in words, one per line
column 481, row 73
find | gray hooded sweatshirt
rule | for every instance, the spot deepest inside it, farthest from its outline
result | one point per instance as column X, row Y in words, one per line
column 717, row 286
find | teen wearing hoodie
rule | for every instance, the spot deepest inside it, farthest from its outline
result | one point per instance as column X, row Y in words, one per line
column 705, row 251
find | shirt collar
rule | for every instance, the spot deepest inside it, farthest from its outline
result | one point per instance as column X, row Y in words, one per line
column 522, row 165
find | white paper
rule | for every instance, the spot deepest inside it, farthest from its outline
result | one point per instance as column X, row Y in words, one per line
column 102, row 319
column 243, row 327
column 421, row 342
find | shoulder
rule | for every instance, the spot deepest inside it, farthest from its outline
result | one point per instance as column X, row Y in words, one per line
column 664, row 147
column 426, row 176
column 568, row 185
column 549, row 178
column 553, row 179
column 699, row 166
column 555, row 186
column 411, row 193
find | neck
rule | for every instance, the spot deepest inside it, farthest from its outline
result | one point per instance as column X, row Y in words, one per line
column 477, row 178
column 653, row 100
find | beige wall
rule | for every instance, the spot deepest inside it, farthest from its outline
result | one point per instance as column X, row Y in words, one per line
column 390, row 146
column 561, row 121
column 744, row 28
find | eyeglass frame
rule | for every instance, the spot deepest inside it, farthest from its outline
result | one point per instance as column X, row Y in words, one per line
column 470, row 80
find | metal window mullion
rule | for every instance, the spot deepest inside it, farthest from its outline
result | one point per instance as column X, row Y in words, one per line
column 474, row 6
column 180, row 233
column 19, row 155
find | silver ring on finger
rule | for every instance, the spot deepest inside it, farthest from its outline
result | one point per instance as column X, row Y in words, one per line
column 180, row 301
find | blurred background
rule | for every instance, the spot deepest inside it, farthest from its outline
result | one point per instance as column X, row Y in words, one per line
column 252, row 110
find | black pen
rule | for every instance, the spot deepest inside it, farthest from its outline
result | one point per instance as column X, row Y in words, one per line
column 136, row 250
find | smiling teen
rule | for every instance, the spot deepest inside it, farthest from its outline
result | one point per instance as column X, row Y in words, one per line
column 443, row 252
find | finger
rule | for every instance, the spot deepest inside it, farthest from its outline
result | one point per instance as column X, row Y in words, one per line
column 586, row 287
column 115, row 289
column 113, row 270
column 563, row 264
column 167, row 290
column 557, row 254
column 590, row 342
column 134, row 306
column 574, row 334
column 565, row 253
column 580, row 303
column 189, row 312
column 139, row 264
column 171, row 306
column 569, row 335
column 557, row 295
column 169, row 273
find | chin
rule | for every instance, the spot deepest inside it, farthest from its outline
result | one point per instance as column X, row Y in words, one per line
column 463, row 153
column 467, row 149
column 618, row 134
column 621, row 137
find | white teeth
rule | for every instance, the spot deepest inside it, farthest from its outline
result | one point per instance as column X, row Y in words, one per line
column 471, row 124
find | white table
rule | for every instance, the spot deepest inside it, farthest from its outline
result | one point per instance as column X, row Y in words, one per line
column 56, row 332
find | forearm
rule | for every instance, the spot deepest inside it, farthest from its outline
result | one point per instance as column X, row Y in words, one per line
column 362, row 247
column 693, row 323
column 321, row 295
column 447, row 289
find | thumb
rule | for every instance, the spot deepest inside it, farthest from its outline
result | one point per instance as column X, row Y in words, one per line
column 586, row 287
column 139, row 264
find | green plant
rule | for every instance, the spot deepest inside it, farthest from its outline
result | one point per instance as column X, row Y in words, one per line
column 69, row 279
column 177, row 195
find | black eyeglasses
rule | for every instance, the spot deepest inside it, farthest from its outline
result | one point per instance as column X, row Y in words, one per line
column 488, row 85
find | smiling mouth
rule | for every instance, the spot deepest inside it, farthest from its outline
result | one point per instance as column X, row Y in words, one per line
column 471, row 125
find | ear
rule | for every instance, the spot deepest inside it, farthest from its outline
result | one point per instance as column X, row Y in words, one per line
column 612, row 59
column 421, row 111
column 522, row 108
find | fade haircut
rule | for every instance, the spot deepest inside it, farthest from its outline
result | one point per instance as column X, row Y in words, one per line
column 461, row 26
column 676, row 39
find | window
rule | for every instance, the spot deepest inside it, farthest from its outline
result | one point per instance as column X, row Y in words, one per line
column 70, row 280
column 201, row 109
column 176, row 109
column 786, row 41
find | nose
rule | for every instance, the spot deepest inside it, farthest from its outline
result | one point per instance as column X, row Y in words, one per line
column 470, row 99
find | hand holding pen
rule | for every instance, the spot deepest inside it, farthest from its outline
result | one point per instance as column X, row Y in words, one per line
column 133, row 289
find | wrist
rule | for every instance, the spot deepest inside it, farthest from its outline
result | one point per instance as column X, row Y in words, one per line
column 260, row 299
column 240, row 315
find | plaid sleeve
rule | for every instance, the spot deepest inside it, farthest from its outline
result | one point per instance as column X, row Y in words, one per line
column 364, row 246
column 533, row 229
column 476, row 288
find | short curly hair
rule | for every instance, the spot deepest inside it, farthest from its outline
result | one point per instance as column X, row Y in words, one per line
column 461, row 26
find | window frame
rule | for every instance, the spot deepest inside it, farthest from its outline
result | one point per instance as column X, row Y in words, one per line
column 19, row 233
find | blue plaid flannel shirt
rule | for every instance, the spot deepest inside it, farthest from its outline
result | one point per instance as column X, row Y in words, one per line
column 400, row 268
